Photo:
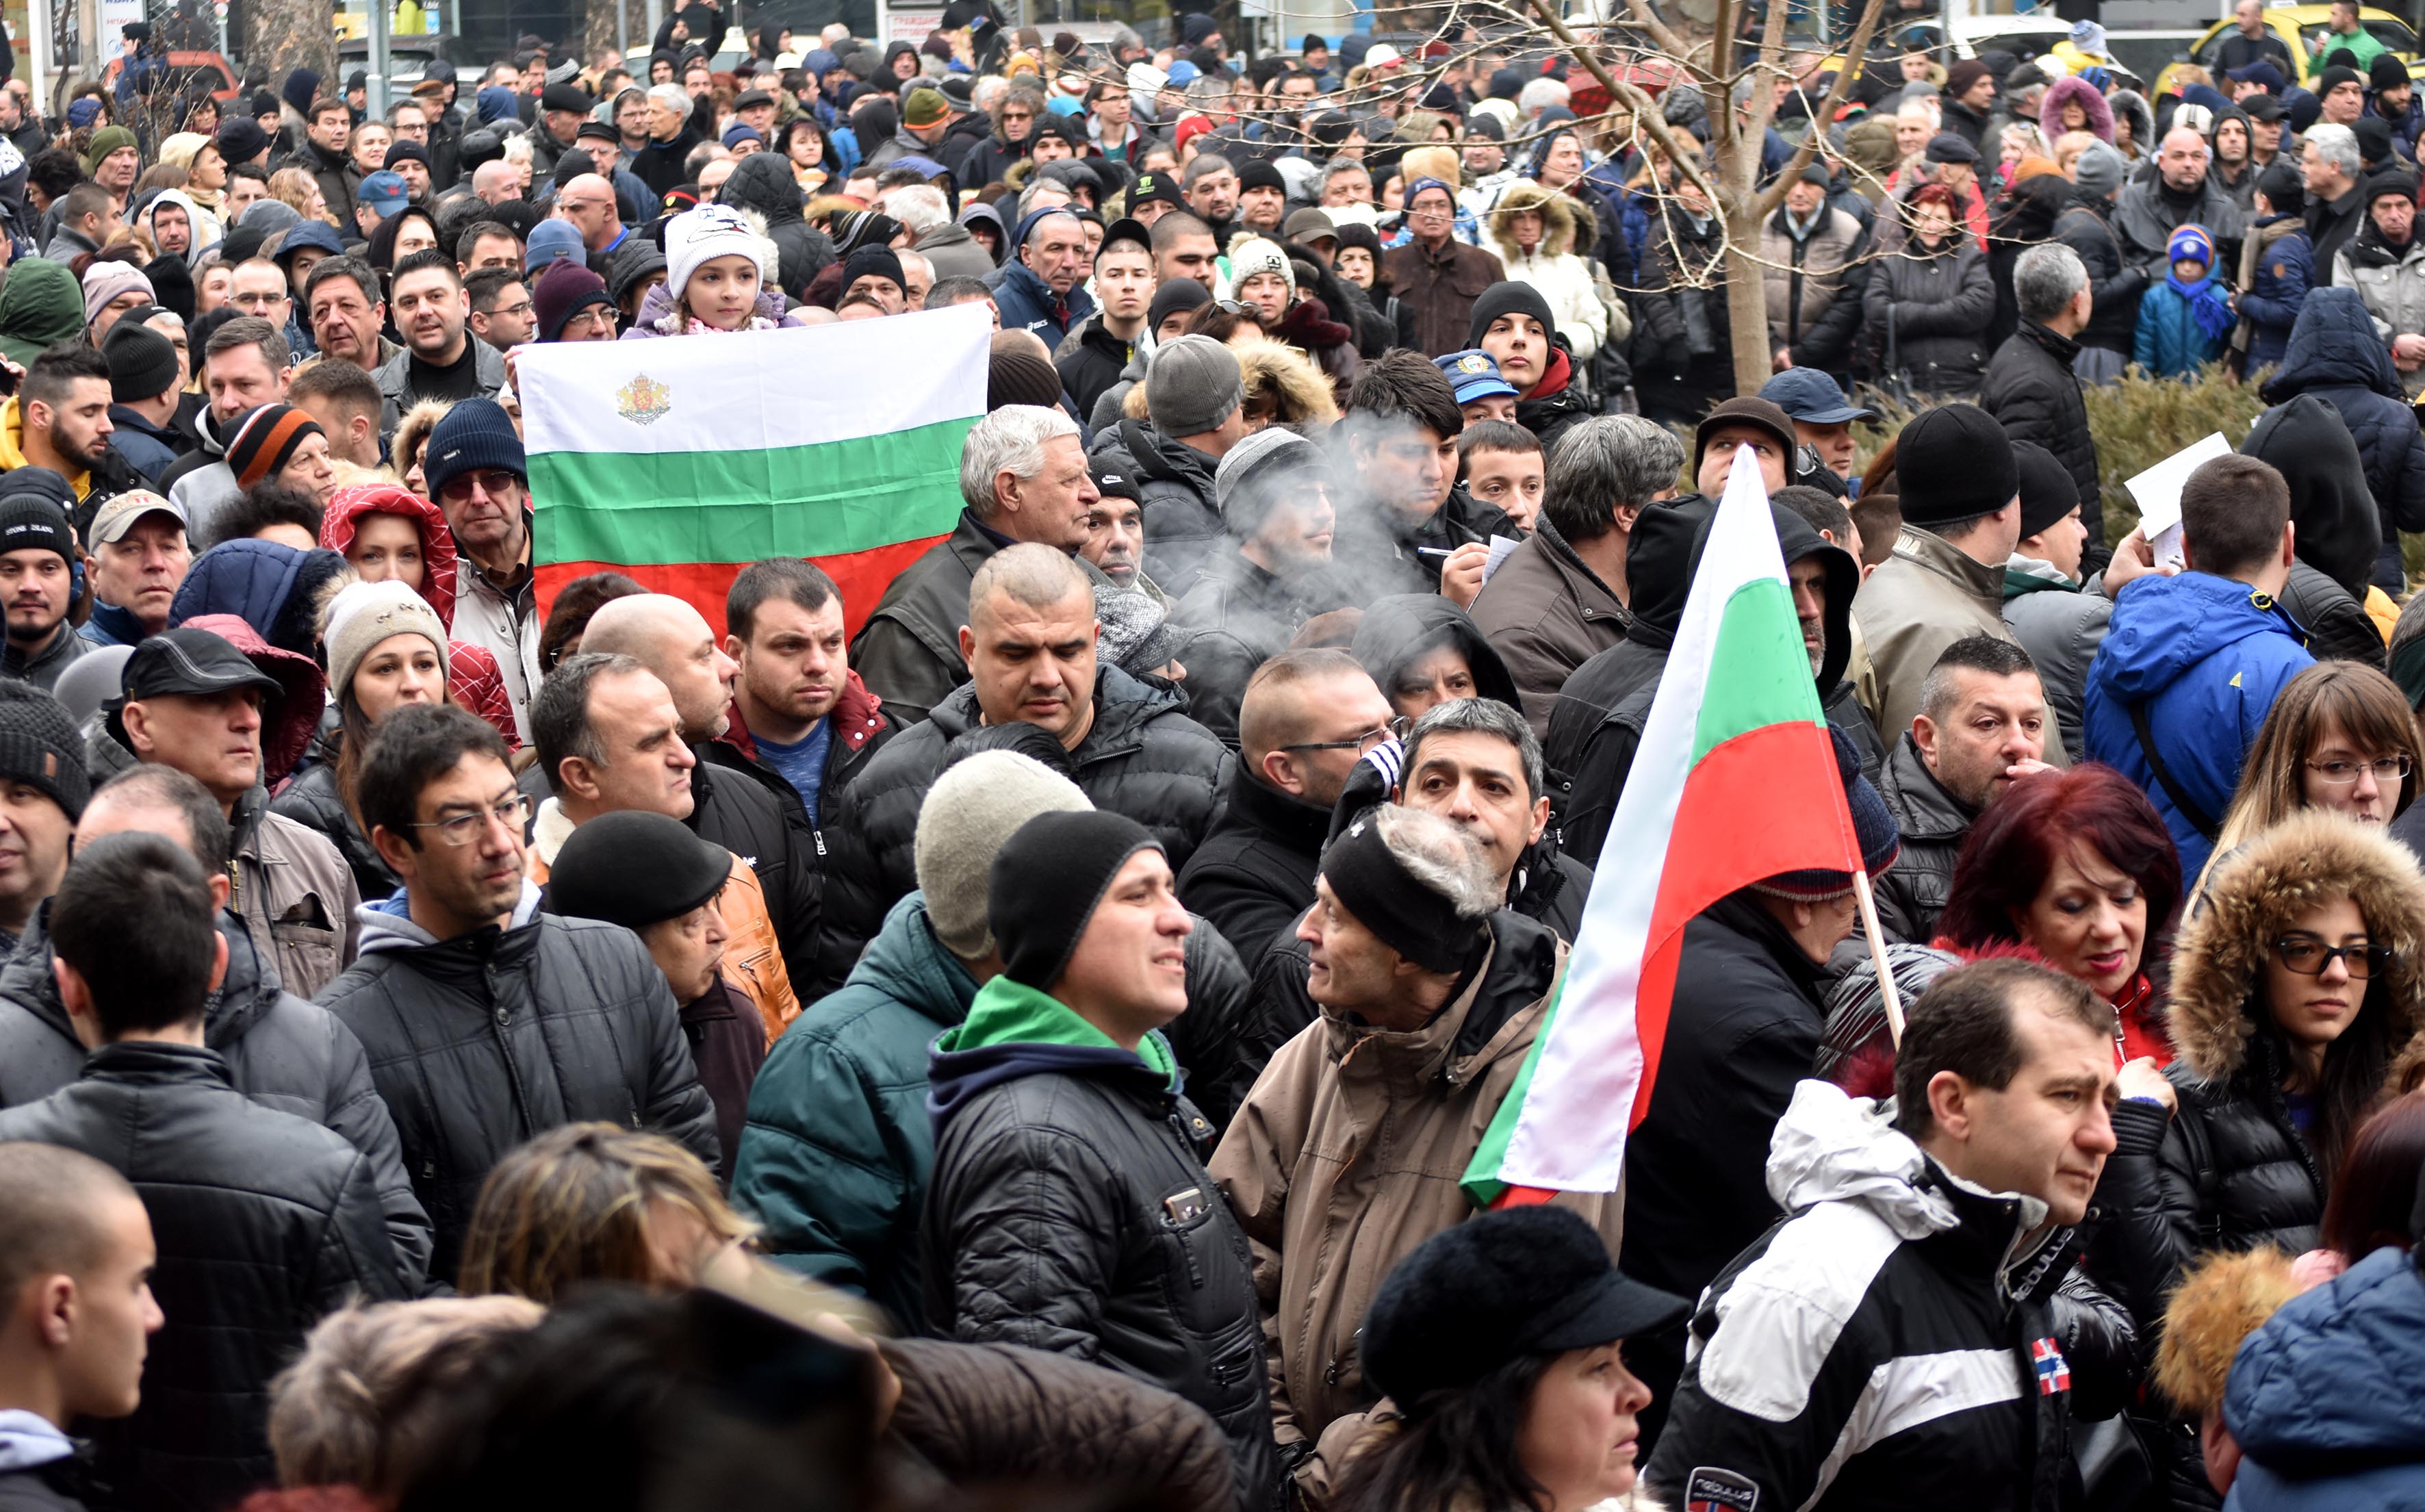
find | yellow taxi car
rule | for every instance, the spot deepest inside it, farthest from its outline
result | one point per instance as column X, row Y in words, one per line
column 2299, row 26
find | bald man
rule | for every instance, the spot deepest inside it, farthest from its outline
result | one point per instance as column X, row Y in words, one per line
column 496, row 182
column 674, row 640
column 588, row 203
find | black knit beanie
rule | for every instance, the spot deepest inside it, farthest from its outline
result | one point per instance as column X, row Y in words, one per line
column 1510, row 298
column 1953, row 463
column 39, row 748
column 2048, row 491
column 635, row 868
column 1046, row 882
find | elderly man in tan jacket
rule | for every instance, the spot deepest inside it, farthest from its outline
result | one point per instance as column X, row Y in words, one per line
column 1349, row 1151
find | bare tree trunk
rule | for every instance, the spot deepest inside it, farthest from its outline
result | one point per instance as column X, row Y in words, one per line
column 292, row 34
column 595, row 27
column 1746, row 303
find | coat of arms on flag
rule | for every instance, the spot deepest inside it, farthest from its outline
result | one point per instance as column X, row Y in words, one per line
column 644, row 401
column 2053, row 1374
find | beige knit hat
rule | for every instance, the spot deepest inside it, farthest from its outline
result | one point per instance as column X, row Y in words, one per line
column 970, row 812
column 363, row 615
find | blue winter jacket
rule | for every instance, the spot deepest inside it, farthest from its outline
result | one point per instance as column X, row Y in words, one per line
column 2207, row 656
column 1026, row 304
column 2169, row 344
column 2327, row 1400
column 2335, row 355
column 2285, row 268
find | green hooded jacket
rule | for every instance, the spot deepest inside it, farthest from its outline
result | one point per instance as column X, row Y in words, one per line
column 40, row 305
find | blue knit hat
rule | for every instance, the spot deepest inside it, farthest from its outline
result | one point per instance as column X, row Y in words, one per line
column 1873, row 827
column 549, row 240
column 2191, row 243
column 476, row 434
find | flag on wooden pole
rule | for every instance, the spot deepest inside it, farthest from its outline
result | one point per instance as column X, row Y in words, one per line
column 1736, row 780
column 682, row 460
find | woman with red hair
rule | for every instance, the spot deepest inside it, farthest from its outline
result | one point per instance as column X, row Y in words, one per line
column 2076, row 868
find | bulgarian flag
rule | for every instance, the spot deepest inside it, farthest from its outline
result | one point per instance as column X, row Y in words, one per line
column 682, row 460
column 1735, row 781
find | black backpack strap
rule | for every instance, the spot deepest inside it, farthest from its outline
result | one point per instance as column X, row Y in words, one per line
column 2189, row 808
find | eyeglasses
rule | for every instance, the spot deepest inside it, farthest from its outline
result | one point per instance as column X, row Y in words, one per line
column 464, row 828
column 2309, row 957
column 2386, row 770
column 493, row 481
column 1359, row 744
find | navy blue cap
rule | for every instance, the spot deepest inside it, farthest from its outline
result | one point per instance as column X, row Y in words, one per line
column 1809, row 395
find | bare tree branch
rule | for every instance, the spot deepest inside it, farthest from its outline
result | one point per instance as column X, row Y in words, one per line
column 1660, row 32
column 1856, row 58
column 1646, row 109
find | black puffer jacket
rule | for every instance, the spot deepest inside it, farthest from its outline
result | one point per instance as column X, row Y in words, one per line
column 2305, row 439
column 2334, row 355
column 266, row 1223
column 281, row 1051
column 2114, row 284
column 311, row 801
column 1070, row 1210
column 1933, row 823
column 1253, row 877
column 1748, row 1017
column 1143, row 758
column 2231, row 1170
column 479, row 1042
column 1931, row 311
column 2023, row 218
column 802, row 252
column 1183, row 525
column 2033, row 392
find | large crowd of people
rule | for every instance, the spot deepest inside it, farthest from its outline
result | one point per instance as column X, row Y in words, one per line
column 1021, row 1037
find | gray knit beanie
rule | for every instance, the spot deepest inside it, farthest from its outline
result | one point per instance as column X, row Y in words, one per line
column 1192, row 385
column 2099, row 170
column 972, row 809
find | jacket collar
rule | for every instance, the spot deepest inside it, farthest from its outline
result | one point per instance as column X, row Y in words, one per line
column 1934, row 554
column 855, row 718
column 1300, row 825
column 2062, row 349
column 1516, row 966
column 157, row 1063
column 1922, row 804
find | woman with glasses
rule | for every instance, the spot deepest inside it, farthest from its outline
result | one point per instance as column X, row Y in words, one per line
column 2339, row 737
column 2293, row 988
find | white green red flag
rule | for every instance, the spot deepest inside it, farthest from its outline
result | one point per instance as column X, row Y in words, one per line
column 1735, row 781
column 682, row 460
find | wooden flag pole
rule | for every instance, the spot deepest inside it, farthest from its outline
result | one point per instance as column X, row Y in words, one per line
column 1878, row 955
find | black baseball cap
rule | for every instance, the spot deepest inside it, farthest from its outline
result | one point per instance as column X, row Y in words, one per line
column 191, row 662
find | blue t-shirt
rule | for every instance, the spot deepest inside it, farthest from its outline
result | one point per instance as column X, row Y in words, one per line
column 802, row 763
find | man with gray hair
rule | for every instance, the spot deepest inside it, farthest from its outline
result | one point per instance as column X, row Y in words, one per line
column 1023, row 477
column 2030, row 386
column 1028, row 637
column 1042, row 291
column 2332, row 165
column 938, row 238
column 1429, row 996
column 1560, row 599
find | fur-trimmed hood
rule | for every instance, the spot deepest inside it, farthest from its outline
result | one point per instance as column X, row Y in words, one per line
column 1557, row 217
column 2252, row 895
column 1291, row 375
column 2092, row 104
